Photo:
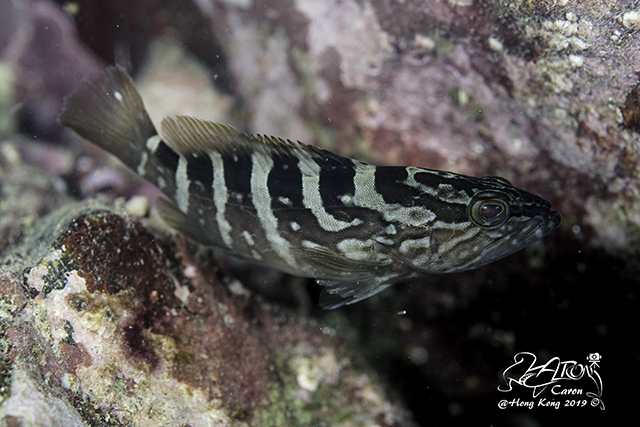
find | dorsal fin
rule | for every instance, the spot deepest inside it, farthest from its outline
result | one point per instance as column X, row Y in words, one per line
column 188, row 135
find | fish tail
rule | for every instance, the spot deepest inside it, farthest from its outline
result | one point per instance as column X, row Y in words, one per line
column 108, row 111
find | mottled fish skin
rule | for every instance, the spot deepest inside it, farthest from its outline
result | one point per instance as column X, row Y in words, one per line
column 355, row 227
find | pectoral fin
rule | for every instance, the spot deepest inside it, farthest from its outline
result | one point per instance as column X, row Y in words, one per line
column 336, row 294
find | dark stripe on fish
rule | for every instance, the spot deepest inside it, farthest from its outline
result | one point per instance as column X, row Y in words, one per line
column 389, row 184
column 434, row 179
column 237, row 175
column 200, row 173
column 335, row 183
column 166, row 156
column 285, row 184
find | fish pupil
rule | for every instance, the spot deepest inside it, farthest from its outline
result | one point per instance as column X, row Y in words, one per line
column 491, row 211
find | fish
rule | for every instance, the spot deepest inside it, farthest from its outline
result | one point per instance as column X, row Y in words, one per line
column 354, row 227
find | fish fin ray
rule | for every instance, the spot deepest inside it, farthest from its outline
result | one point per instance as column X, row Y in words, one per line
column 348, row 281
column 188, row 135
column 108, row 111
column 335, row 264
column 338, row 293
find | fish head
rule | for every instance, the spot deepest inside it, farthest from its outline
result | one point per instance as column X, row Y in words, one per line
column 488, row 219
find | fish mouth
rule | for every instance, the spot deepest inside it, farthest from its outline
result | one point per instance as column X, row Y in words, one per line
column 535, row 229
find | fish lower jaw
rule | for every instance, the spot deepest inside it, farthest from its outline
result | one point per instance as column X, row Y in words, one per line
column 540, row 226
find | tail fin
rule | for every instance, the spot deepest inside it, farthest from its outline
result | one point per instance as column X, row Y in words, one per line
column 108, row 111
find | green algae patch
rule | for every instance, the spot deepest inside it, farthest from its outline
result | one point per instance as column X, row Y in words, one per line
column 321, row 387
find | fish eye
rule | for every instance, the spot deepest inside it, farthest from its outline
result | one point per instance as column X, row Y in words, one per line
column 489, row 211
